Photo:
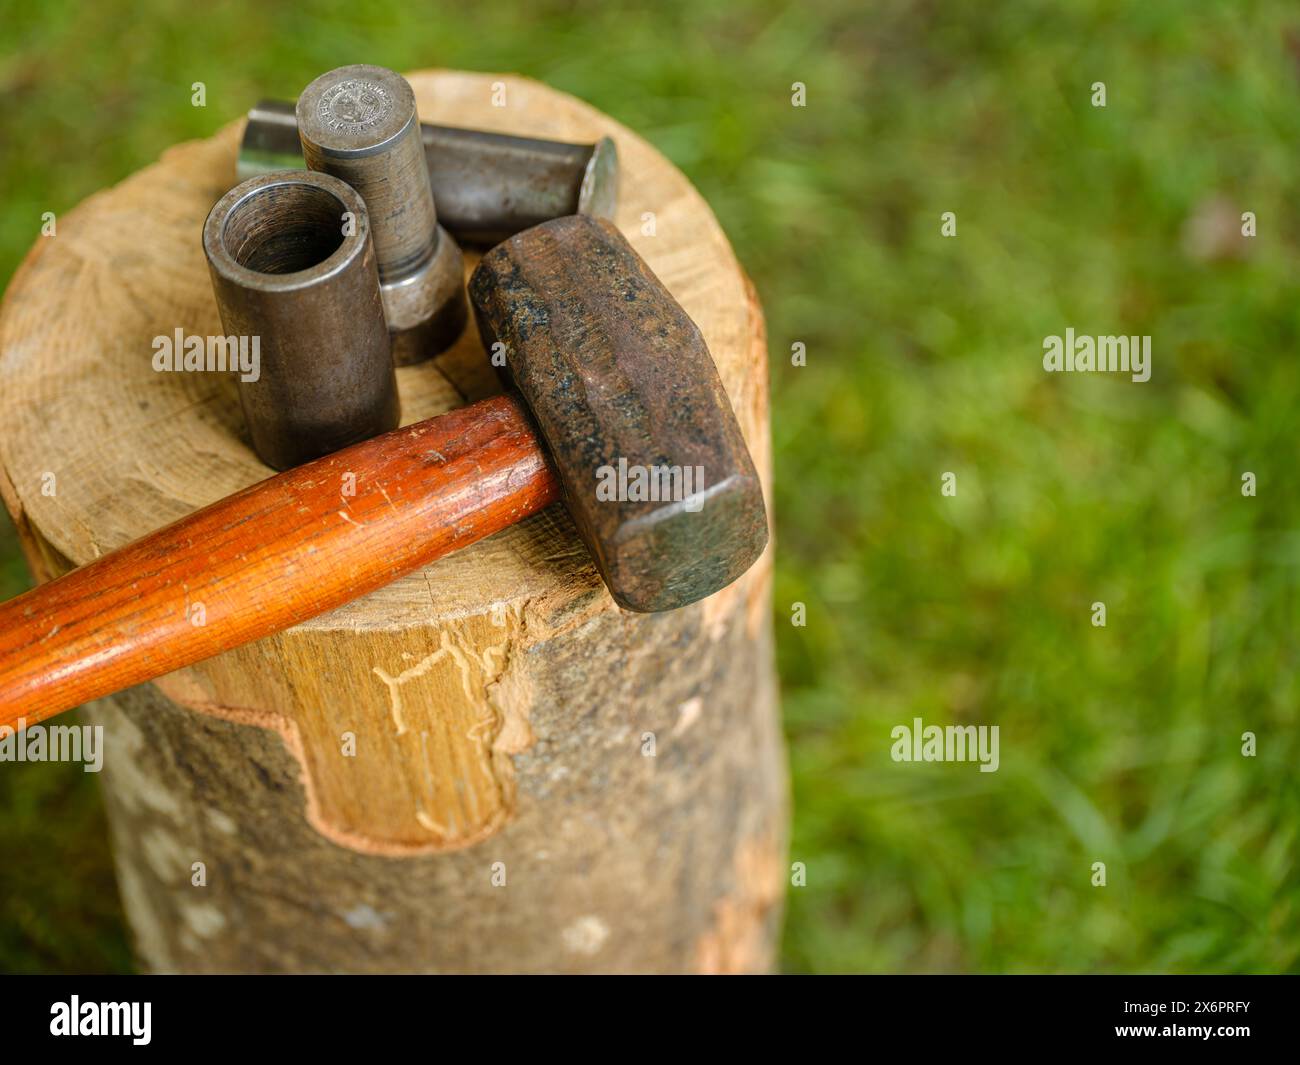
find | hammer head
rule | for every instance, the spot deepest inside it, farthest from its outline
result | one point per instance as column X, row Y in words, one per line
column 625, row 394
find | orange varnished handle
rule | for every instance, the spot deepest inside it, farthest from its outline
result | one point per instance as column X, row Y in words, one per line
column 272, row 555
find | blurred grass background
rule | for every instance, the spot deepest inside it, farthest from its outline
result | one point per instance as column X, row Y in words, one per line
column 1118, row 744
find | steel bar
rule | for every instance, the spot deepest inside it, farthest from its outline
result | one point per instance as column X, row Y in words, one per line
column 488, row 186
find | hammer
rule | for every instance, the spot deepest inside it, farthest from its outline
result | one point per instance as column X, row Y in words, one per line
column 614, row 406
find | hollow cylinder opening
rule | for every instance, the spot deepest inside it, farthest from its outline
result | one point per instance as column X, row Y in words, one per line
column 282, row 229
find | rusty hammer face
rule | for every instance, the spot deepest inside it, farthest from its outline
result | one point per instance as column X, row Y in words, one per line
column 621, row 385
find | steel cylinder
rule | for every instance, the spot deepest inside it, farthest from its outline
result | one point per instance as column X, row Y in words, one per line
column 294, row 270
column 501, row 185
column 359, row 123
column 487, row 186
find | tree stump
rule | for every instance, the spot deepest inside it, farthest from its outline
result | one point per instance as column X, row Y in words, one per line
column 484, row 767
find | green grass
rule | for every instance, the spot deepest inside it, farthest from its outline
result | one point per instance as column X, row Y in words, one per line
column 1118, row 744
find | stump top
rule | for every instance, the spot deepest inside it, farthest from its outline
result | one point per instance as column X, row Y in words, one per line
column 98, row 449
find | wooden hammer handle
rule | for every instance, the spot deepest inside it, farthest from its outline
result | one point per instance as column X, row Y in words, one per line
column 272, row 555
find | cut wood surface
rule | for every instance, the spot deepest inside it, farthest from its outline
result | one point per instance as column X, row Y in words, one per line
column 497, row 695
